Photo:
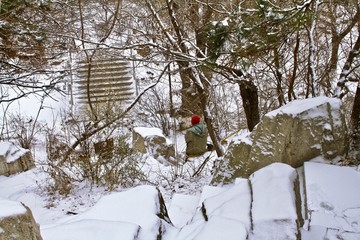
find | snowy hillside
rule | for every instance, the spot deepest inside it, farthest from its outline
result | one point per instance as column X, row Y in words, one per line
column 318, row 200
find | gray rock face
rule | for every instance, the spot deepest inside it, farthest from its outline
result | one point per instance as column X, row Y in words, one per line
column 292, row 134
column 18, row 226
column 14, row 159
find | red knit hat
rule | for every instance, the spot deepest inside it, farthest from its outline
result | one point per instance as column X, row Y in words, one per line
column 195, row 120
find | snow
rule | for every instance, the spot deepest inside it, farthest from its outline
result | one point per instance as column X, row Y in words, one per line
column 134, row 212
column 321, row 177
column 148, row 132
column 92, row 230
column 134, row 207
column 298, row 106
column 274, row 210
column 329, row 198
column 124, row 211
column 222, row 228
column 182, row 208
column 234, row 203
column 331, row 194
column 243, row 136
column 277, row 178
column 10, row 208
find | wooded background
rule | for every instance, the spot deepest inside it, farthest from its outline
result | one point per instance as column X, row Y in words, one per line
column 229, row 61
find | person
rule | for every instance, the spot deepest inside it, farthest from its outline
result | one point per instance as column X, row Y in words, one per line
column 196, row 138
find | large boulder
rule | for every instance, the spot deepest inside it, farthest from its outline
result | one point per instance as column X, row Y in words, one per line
column 14, row 159
column 17, row 222
column 152, row 141
column 292, row 134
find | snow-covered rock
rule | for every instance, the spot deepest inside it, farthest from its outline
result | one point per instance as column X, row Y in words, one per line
column 14, row 159
column 292, row 134
column 332, row 201
column 140, row 212
column 223, row 213
column 275, row 216
column 92, row 229
column 229, row 168
column 263, row 207
column 182, row 208
column 152, row 141
column 17, row 222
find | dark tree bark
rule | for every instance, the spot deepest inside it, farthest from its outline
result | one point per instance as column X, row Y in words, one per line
column 337, row 36
column 291, row 92
column 189, row 96
column 278, row 75
column 249, row 95
column 355, row 121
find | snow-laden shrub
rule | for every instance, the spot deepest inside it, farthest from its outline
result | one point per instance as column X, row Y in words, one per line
column 83, row 152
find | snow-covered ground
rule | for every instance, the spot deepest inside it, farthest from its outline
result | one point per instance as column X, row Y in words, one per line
column 332, row 193
column 330, row 204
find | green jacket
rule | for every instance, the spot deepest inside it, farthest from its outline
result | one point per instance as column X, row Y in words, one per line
column 196, row 140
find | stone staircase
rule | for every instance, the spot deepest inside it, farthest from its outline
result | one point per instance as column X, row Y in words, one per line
column 317, row 201
column 110, row 80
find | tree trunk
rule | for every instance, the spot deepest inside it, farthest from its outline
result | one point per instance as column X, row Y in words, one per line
column 291, row 92
column 189, row 97
column 355, row 122
column 278, row 75
column 249, row 95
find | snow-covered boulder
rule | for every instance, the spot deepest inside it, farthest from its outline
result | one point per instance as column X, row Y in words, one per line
column 139, row 212
column 14, row 159
column 182, row 208
column 292, row 134
column 92, row 229
column 223, row 213
column 152, row 141
column 332, row 202
column 17, row 222
column 276, row 212
column 229, row 168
